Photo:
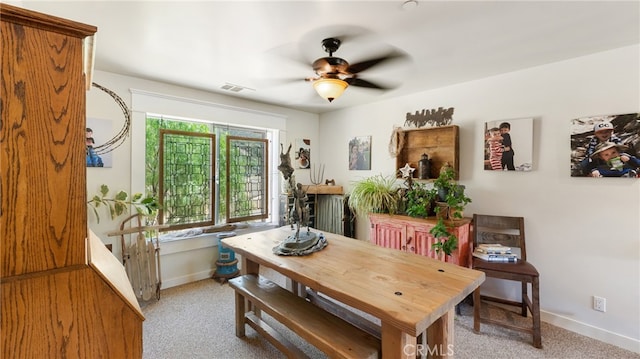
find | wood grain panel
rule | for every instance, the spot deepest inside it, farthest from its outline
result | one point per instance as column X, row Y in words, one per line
column 54, row 305
column 70, row 314
column 43, row 212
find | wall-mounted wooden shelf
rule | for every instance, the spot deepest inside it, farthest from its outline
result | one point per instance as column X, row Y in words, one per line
column 322, row 189
column 440, row 143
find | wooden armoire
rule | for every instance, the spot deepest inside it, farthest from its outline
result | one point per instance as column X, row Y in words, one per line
column 64, row 295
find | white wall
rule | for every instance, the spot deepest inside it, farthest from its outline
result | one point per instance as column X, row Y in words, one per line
column 181, row 261
column 583, row 234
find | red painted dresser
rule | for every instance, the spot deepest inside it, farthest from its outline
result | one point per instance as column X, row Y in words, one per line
column 412, row 235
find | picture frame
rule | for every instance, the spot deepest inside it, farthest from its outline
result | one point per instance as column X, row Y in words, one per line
column 303, row 153
column 508, row 145
column 359, row 154
column 606, row 146
column 98, row 131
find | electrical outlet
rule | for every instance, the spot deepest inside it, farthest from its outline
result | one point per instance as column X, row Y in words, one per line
column 599, row 303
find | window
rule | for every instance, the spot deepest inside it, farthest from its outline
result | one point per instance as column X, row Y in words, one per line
column 206, row 174
column 247, row 197
column 185, row 182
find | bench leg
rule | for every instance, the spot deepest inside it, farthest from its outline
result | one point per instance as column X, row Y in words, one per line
column 252, row 308
column 240, row 311
column 296, row 288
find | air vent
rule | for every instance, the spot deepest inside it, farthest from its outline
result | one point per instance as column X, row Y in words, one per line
column 234, row 88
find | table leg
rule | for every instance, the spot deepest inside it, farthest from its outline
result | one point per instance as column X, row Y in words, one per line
column 439, row 343
column 440, row 337
column 397, row 344
column 250, row 267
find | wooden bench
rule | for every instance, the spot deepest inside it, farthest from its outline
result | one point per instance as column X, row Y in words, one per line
column 332, row 335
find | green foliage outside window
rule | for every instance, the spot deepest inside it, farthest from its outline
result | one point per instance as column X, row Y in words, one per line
column 175, row 208
column 248, row 195
column 153, row 126
column 238, row 173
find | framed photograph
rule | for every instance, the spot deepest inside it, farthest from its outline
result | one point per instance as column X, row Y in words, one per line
column 303, row 153
column 97, row 133
column 360, row 153
column 606, row 146
column 508, row 145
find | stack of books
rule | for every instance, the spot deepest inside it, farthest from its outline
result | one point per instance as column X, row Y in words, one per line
column 495, row 253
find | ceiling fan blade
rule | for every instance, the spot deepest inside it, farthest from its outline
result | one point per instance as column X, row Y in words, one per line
column 354, row 81
column 288, row 52
column 367, row 64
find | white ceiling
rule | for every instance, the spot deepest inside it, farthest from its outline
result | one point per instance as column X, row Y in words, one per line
column 263, row 45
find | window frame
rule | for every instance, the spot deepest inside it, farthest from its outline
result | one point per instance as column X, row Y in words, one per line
column 265, row 164
column 212, row 178
column 270, row 214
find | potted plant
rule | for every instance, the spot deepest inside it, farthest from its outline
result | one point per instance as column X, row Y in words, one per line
column 452, row 198
column 420, row 200
column 377, row 194
column 456, row 201
column 444, row 182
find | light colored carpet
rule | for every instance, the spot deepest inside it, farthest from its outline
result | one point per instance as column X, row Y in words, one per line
column 196, row 320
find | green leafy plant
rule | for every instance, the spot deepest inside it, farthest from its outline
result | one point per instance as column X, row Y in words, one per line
column 446, row 242
column 457, row 201
column 378, row 194
column 450, row 192
column 419, row 200
column 445, row 180
column 119, row 204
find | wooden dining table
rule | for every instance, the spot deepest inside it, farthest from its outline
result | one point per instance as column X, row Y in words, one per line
column 410, row 294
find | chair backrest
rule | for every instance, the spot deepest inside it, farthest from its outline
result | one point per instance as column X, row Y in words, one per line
column 508, row 231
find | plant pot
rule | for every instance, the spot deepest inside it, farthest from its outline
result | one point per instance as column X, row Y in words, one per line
column 442, row 194
column 443, row 211
column 431, row 211
column 452, row 214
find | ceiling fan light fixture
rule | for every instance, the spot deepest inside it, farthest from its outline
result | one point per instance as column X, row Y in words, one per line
column 329, row 88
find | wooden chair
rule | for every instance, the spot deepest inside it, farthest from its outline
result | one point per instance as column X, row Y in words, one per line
column 508, row 231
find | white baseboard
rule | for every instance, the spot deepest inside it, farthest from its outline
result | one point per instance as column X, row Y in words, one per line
column 590, row 331
column 191, row 277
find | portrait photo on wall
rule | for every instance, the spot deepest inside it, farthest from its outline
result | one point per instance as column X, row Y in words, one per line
column 508, row 145
column 303, row 153
column 360, row 153
column 97, row 133
column 606, row 146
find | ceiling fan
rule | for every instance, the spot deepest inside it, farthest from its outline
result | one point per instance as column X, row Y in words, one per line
column 335, row 74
